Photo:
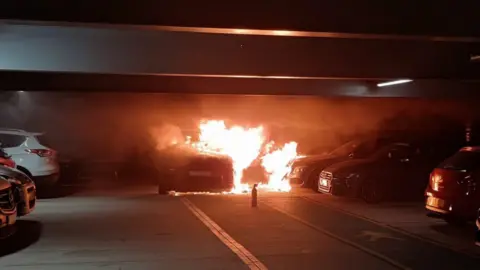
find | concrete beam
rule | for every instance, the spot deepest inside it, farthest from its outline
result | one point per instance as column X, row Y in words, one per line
column 124, row 50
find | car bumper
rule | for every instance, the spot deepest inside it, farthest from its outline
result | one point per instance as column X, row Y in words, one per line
column 295, row 181
column 27, row 199
column 334, row 187
column 449, row 207
column 46, row 180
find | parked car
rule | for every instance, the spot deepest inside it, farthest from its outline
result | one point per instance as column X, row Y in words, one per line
column 31, row 156
column 6, row 159
column 184, row 169
column 8, row 209
column 24, row 189
column 477, row 236
column 453, row 192
column 396, row 171
column 306, row 170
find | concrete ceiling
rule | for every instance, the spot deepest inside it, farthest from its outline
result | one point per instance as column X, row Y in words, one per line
column 344, row 51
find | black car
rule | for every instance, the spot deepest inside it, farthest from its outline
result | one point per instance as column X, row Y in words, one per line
column 396, row 171
column 182, row 168
column 306, row 170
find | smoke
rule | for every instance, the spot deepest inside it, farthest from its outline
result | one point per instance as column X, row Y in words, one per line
column 166, row 135
column 111, row 125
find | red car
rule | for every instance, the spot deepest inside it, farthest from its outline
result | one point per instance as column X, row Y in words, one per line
column 453, row 191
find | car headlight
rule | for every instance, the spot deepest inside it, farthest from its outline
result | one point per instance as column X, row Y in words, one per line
column 297, row 170
column 14, row 181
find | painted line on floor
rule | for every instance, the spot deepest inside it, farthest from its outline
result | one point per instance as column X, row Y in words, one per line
column 246, row 256
column 396, row 229
column 341, row 239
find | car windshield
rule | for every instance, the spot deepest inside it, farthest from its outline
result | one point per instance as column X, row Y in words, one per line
column 345, row 149
column 462, row 160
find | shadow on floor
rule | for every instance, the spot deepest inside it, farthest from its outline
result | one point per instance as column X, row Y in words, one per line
column 466, row 231
column 57, row 191
column 27, row 232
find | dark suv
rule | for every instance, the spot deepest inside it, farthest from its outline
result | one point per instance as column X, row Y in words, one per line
column 396, row 171
column 453, row 191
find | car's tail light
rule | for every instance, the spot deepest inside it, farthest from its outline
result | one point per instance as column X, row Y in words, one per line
column 435, row 181
column 41, row 152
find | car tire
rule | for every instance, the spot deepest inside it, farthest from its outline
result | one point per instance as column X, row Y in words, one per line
column 370, row 192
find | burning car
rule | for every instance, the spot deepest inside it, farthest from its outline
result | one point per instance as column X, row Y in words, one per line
column 183, row 168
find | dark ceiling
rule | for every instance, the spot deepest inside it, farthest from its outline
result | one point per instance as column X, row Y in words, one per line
column 432, row 18
column 429, row 42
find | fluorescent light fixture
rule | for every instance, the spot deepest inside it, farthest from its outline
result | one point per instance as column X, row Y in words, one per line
column 393, row 82
column 21, row 91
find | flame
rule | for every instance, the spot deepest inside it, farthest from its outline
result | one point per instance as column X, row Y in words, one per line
column 244, row 145
column 277, row 165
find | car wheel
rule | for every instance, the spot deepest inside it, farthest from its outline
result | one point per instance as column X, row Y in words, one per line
column 370, row 192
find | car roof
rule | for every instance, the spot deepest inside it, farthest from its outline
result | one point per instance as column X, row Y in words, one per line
column 18, row 132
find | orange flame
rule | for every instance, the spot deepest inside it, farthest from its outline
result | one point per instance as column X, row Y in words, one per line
column 277, row 165
column 243, row 146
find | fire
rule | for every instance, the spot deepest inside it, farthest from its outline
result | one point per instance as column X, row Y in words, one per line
column 277, row 165
column 243, row 146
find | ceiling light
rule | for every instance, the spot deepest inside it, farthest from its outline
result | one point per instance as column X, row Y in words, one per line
column 393, row 82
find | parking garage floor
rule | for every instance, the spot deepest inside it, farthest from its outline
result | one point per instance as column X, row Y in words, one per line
column 138, row 229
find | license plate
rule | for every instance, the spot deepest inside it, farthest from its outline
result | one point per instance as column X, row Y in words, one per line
column 324, row 182
column 200, row 173
column 435, row 202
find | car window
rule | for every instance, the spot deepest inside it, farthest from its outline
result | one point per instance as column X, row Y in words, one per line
column 42, row 140
column 11, row 140
column 345, row 149
column 400, row 152
column 463, row 160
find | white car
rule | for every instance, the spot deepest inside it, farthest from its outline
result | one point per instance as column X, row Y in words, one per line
column 31, row 156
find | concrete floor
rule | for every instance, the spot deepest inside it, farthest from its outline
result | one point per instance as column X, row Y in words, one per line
column 138, row 229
